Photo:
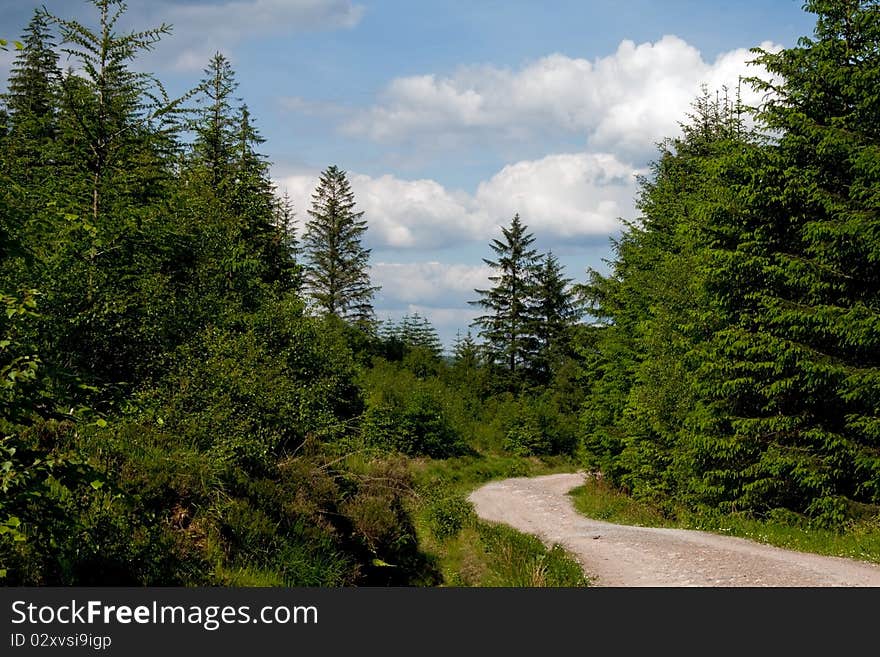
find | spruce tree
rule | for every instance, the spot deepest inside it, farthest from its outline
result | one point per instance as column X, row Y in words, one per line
column 110, row 249
column 114, row 113
column 254, row 203
column 508, row 327
column 337, row 277
column 791, row 415
column 31, row 101
column 285, row 223
column 215, row 122
column 653, row 312
column 555, row 313
column 465, row 352
column 29, row 153
column 417, row 331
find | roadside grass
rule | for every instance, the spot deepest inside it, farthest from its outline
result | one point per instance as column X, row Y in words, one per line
column 471, row 552
column 859, row 540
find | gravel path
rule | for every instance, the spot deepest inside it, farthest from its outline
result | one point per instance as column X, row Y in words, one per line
column 618, row 555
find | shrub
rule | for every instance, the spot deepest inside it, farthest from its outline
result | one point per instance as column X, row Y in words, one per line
column 448, row 515
column 409, row 415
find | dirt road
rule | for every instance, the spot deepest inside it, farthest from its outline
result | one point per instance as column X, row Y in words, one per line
column 617, row 555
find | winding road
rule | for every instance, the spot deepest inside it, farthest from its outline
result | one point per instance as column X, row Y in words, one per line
column 620, row 555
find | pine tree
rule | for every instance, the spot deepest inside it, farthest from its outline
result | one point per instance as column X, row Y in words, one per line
column 556, row 312
column 254, row 203
column 246, row 245
column 215, row 123
column 32, row 102
column 791, row 415
column 29, row 154
column 417, row 331
column 337, row 275
column 111, row 247
column 653, row 312
column 285, row 223
column 508, row 326
column 114, row 112
column 465, row 352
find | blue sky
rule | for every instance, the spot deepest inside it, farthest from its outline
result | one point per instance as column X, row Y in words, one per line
column 451, row 116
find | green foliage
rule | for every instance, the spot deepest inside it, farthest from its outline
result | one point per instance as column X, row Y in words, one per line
column 173, row 415
column 508, row 326
column 557, row 310
column 531, row 310
column 522, row 560
column 167, row 281
column 410, row 415
column 336, row 274
column 448, row 516
column 735, row 365
column 858, row 539
column 260, row 387
column 470, row 552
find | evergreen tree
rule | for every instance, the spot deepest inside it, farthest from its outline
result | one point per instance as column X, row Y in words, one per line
column 255, row 204
column 113, row 110
column 393, row 347
column 465, row 351
column 285, row 222
column 337, row 275
column 652, row 310
column 417, row 331
column 508, row 325
column 109, row 252
column 29, row 154
column 556, row 312
column 243, row 249
column 215, row 123
column 32, row 105
column 790, row 417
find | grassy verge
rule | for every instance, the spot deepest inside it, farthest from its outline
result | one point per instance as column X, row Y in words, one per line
column 470, row 552
column 861, row 540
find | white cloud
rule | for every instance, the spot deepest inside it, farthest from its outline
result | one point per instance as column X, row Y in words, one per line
column 572, row 196
column 428, row 283
column 623, row 103
column 568, row 195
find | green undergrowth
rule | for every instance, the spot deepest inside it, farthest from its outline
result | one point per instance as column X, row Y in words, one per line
column 858, row 540
column 471, row 552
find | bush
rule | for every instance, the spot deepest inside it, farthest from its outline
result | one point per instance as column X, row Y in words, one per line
column 537, row 426
column 382, row 528
column 409, row 415
column 448, row 515
column 251, row 391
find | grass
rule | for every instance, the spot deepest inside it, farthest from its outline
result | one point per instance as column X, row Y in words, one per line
column 860, row 540
column 470, row 552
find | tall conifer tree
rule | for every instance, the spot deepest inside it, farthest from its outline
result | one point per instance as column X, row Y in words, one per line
column 509, row 323
column 337, row 277
column 556, row 312
column 792, row 412
column 32, row 102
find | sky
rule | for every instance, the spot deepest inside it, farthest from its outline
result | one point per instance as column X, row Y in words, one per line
column 451, row 116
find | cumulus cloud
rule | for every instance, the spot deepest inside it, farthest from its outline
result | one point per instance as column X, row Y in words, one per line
column 623, row 103
column 429, row 283
column 574, row 196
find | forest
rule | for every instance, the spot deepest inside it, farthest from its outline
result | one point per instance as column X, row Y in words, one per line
column 195, row 388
